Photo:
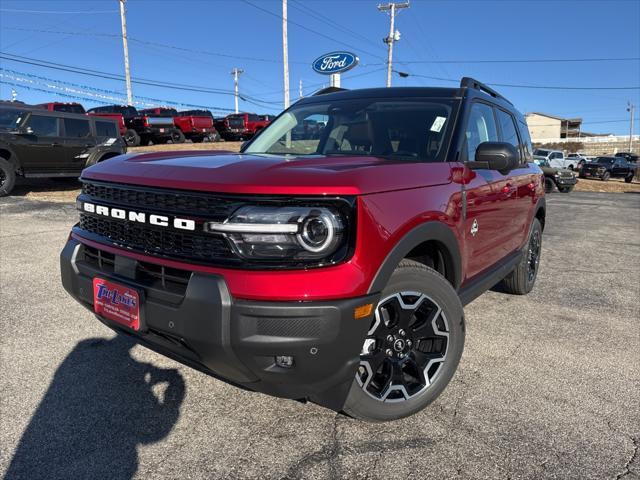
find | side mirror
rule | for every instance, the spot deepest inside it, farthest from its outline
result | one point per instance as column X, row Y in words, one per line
column 500, row 156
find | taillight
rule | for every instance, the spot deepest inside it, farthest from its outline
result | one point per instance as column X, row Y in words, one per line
column 145, row 121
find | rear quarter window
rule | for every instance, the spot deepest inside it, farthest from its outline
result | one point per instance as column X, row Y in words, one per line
column 76, row 128
column 106, row 129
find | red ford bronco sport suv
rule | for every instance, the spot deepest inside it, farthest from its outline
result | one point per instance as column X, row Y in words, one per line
column 331, row 269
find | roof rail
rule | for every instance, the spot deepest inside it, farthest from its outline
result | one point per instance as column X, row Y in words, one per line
column 329, row 90
column 468, row 82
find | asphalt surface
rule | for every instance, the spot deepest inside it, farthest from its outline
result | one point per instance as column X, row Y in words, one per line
column 548, row 386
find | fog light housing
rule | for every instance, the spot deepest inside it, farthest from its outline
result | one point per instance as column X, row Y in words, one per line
column 284, row 361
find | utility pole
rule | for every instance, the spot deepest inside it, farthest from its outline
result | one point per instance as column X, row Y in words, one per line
column 630, row 108
column 285, row 53
column 125, row 46
column 394, row 35
column 236, row 74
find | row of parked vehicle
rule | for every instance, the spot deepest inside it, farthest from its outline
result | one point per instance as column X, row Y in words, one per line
column 558, row 166
column 162, row 125
column 61, row 139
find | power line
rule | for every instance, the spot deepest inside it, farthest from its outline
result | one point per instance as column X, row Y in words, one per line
column 304, row 27
column 55, row 12
column 510, row 85
column 152, row 44
column 530, row 60
column 141, row 81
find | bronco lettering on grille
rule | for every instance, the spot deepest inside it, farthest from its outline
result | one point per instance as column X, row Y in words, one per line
column 139, row 217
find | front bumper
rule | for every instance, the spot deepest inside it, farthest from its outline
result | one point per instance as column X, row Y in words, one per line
column 236, row 340
column 565, row 181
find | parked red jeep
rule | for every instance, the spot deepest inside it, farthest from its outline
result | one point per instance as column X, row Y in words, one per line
column 69, row 107
column 331, row 268
column 240, row 126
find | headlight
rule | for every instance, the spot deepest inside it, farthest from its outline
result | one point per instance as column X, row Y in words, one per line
column 288, row 234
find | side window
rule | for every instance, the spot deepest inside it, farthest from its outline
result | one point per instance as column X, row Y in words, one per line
column 254, row 118
column 509, row 130
column 106, row 129
column 76, row 128
column 481, row 128
column 43, row 126
column 527, row 148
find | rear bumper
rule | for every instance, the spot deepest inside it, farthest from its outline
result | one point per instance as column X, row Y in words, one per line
column 237, row 340
column 158, row 132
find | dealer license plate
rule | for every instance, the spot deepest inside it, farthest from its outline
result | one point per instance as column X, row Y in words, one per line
column 161, row 130
column 587, row 174
column 116, row 302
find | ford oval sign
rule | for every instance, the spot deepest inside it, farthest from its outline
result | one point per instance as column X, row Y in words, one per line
column 335, row 62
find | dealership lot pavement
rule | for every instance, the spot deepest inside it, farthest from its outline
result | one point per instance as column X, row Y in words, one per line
column 548, row 386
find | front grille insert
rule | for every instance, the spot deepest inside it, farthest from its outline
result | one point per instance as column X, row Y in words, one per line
column 199, row 247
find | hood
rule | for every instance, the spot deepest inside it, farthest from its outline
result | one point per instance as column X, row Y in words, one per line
column 226, row 172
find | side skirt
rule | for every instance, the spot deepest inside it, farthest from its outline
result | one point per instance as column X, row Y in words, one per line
column 482, row 282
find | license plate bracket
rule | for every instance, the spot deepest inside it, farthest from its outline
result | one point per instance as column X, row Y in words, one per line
column 118, row 303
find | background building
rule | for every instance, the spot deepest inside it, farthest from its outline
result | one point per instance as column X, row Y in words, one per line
column 542, row 125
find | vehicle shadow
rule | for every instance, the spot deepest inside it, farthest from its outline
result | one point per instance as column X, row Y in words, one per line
column 101, row 404
column 44, row 186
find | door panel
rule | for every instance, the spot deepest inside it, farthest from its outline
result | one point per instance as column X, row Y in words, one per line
column 78, row 141
column 487, row 226
column 42, row 148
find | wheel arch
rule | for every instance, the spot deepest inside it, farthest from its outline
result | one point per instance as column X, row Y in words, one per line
column 8, row 155
column 430, row 241
column 541, row 212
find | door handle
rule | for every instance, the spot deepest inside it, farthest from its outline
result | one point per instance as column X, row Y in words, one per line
column 508, row 190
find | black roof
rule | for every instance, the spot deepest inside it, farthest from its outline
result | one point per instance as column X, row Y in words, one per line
column 393, row 92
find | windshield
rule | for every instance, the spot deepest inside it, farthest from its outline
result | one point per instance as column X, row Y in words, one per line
column 411, row 129
column 605, row 160
column 541, row 153
column 10, row 118
column 236, row 122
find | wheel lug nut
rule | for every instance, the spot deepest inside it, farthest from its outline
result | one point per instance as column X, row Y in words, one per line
column 408, row 343
column 389, row 352
column 389, row 338
column 401, row 332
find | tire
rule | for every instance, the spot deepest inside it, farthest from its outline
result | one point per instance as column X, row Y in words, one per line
column 7, row 177
column 565, row 189
column 177, row 137
column 606, row 176
column 197, row 139
column 215, row 137
column 628, row 178
column 549, row 185
column 132, row 138
column 432, row 315
column 523, row 277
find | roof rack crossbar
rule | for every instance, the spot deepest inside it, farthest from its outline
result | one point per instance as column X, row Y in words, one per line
column 468, row 82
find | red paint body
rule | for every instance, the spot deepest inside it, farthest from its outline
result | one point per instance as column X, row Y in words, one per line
column 392, row 199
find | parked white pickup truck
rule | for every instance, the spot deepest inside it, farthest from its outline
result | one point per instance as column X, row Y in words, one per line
column 555, row 158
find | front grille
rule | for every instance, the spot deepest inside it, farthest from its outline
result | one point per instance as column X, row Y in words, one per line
column 200, row 247
column 216, row 207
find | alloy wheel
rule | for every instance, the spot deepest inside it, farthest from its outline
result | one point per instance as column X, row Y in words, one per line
column 533, row 255
column 405, row 347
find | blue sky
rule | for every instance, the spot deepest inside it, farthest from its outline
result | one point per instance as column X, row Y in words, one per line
column 199, row 42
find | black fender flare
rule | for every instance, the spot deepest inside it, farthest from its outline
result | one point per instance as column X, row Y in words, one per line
column 428, row 231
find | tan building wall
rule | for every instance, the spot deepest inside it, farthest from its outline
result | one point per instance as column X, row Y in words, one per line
column 541, row 126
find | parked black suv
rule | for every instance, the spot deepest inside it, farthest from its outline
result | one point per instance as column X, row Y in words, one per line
column 606, row 167
column 38, row 143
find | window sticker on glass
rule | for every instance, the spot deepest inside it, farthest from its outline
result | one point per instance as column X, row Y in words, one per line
column 438, row 124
